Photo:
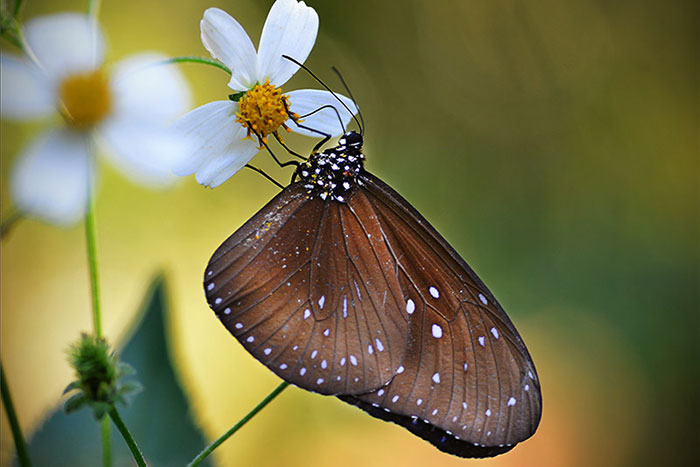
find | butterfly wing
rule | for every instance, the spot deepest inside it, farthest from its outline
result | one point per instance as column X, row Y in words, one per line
column 467, row 383
column 269, row 284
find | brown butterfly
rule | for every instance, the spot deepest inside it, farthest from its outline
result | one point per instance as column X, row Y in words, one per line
column 339, row 286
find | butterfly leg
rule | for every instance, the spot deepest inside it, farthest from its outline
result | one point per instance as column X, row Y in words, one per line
column 295, row 118
column 288, row 149
column 262, row 172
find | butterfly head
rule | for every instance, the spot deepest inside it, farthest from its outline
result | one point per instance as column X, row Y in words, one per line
column 333, row 172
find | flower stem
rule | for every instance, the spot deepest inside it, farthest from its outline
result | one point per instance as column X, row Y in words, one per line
column 15, row 10
column 106, row 443
column 93, row 8
column 91, row 241
column 135, row 451
column 90, row 236
column 206, row 61
column 209, row 449
column 10, row 221
column 20, row 444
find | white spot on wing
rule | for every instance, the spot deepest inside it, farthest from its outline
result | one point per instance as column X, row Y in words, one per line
column 283, row 366
column 494, row 331
column 250, row 339
column 511, row 402
column 437, row 331
column 210, row 286
column 410, row 306
column 380, row 346
column 399, row 370
column 239, row 325
column 302, row 372
column 227, row 311
column 483, row 299
column 482, row 341
column 353, row 360
column 307, row 313
column 395, row 398
column 436, row 377
column 435, row 293
column 321, row 301
column 267, row 351
column 370, row 350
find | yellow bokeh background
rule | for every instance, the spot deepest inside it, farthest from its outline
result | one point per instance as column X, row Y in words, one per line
column 554, row 144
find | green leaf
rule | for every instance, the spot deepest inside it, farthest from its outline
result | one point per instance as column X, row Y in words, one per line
column 71, row 386
column 237, row 96
column 124, row 369
column 100, row 409
column 74, row 403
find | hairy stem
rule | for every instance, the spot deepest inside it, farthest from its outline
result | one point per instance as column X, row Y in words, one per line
column 206, row 61
column 20, row 444
column 209, row 449
column 126, row 434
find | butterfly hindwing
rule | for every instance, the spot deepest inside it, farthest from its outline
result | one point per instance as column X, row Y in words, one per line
column 467, row 383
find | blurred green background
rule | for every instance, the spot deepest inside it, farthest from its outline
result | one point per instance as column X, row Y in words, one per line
column 554, row 144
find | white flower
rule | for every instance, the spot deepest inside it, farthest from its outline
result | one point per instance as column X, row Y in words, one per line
column 221, row 129
column 126, row 111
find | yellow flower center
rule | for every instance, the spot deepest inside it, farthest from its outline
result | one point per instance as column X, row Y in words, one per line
column 264, row 109
column 86, row 98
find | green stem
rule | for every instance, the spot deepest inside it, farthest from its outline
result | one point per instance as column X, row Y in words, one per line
column 90, row 236
column 15, row 10
column 10, row 221
column 93, row 7
column 209, row 449
column 206, row 61
column 106, row 443
column 20, row 444
column 135, row 451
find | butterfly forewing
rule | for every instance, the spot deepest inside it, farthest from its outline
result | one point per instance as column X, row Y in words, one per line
column 467, row 383
column 269, row 284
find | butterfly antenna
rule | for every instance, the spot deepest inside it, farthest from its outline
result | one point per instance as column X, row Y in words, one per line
column 347, row 88
column 303, row 67
column 327, row 106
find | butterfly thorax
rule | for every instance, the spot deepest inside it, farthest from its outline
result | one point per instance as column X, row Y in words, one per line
column 333, row 172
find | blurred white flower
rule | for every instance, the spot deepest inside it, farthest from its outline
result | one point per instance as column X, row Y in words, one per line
column 126, row 111
column 220, row 130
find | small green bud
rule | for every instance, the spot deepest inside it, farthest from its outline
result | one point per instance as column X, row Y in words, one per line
column 99, row 375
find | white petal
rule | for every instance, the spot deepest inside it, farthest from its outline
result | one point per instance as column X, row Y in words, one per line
column 148, row 90
column 65, row 43
column 145, row 152
column 216, row 146
column 226, row 40
column 325, row 120
column 290, row 29
column 25, row 92
column 51, row 178
column 217, row 171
